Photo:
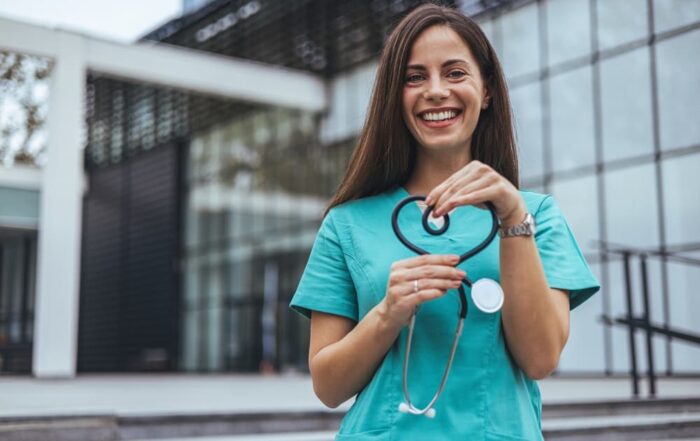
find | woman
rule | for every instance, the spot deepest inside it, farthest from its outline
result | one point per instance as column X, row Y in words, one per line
column 439, row 125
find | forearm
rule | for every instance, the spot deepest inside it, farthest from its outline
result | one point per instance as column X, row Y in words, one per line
column 340, row 370
column 532, row 321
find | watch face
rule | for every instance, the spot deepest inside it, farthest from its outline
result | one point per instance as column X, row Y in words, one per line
column 532, row 225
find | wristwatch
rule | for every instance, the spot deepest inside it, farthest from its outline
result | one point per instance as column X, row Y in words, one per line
column 525, row 228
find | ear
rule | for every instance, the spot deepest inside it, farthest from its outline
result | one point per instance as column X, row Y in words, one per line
column 486, row 101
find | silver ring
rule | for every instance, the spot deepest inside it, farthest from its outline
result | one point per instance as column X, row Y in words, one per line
column 415, row 285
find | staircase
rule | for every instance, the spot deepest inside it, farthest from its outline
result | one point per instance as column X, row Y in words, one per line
column 644, row 419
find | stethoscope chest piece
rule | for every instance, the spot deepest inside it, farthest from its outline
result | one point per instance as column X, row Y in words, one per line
column 487, row 295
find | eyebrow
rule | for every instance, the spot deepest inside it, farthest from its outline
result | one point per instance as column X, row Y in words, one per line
column 445, row 64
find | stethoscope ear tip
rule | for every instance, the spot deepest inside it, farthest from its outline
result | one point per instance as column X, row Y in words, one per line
column 430, row 413
column 403, row 408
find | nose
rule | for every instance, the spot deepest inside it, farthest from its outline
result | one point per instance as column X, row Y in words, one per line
column 436, row 90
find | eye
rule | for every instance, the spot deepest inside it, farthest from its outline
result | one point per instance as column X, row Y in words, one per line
column 456, row 74
column 414, row 78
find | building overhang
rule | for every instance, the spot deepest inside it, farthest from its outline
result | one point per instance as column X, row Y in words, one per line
column 171, row 66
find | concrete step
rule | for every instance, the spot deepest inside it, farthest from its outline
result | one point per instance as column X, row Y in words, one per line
column 620, row 407
column 623, row 420
column 625, row 427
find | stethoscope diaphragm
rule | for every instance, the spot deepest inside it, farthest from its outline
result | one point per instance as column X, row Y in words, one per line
column 487, row 295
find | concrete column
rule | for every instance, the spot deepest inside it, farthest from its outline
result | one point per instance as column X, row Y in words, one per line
column 60, row 216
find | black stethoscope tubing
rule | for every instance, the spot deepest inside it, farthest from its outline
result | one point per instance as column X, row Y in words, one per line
column 438, row 231
column 407, row 406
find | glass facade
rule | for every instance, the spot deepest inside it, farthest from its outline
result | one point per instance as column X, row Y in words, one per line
column 607, row 122
column 255, row 191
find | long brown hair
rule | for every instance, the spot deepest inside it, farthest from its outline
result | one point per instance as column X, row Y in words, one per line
column 386, row 151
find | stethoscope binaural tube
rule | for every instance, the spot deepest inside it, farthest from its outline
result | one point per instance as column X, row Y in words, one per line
column 494, row 301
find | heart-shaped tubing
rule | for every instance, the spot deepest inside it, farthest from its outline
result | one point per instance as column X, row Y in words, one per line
column 436, row 232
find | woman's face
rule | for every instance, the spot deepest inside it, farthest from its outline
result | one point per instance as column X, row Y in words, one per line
column 443, row 91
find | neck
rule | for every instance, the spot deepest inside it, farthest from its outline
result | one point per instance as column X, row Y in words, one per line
column 434, row 167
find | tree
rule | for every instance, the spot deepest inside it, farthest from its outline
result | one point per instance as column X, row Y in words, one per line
column 23, row 106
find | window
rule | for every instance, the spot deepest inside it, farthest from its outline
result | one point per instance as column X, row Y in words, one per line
column 527, row 108
column 678, row 67
column 572, row 120
column 621, row 21
column 626, row 105
column 521, row 48
column 568, row 29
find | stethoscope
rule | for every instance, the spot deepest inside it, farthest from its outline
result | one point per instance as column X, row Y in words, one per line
column 487, row 295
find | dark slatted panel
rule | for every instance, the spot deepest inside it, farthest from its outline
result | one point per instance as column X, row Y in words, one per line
column 150, row 326
column 129, row 293
column 99, row 335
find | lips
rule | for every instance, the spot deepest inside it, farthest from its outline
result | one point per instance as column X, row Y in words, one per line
column 439, row 113
column 440, row 123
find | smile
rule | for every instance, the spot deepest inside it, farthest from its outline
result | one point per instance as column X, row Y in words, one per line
column 439, row 119
column 439, row 116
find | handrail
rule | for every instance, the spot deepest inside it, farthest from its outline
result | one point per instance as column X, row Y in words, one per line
column 643, row 322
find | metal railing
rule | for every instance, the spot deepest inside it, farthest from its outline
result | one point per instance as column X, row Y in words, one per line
column 643, row 321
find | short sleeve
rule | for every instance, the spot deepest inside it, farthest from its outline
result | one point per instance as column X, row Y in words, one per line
column 564, row 264
column 326, row 284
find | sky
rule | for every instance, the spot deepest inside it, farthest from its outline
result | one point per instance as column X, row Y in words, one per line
column 116, row 20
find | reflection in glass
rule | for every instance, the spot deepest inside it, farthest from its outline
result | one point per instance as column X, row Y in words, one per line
column 684, row 280
column 572, row 120
column 578, row 200
column 631, row 207
column 256, row 189
column 585, row 351
column 678, row 67
column 621, row 21
column 521, row 48
column 527, row 108
column 681, row 182
column 568, row 29
column 626, row 105
column 671, row 14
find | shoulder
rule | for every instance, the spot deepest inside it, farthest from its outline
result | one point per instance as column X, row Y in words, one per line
column 363, row 211
column 537, row 202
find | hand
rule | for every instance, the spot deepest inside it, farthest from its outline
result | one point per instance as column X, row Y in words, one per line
column 435, row 273
column 475, row 184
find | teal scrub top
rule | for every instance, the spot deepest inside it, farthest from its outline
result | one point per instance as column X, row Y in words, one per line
column 487, row 396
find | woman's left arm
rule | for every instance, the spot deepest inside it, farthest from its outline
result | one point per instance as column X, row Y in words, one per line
column 535, row 317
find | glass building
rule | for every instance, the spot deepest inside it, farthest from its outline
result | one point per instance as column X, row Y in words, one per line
column 201, row 212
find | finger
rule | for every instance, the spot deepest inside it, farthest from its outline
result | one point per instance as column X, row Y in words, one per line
column 468, row 174
column 426, row 259
column 436, row 192
column 427, row 295
column 478, row 197
column 467, row 186
column 409, row 288
column 428, row 272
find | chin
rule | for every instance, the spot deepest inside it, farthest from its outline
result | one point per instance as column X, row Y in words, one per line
column 444, row 145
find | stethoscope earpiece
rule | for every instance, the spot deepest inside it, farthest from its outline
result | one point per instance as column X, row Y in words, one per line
column 486, row 294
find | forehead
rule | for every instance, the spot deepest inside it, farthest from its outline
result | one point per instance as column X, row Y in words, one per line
column 439, row 43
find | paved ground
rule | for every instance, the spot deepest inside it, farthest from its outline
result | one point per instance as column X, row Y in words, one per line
column 142, row 394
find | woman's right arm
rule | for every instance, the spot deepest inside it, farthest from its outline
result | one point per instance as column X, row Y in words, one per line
column 343, row 355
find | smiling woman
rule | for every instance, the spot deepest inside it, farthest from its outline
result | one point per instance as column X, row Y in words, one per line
column 439, row 124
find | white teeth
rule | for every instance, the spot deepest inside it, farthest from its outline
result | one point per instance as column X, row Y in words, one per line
column 439, row 116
